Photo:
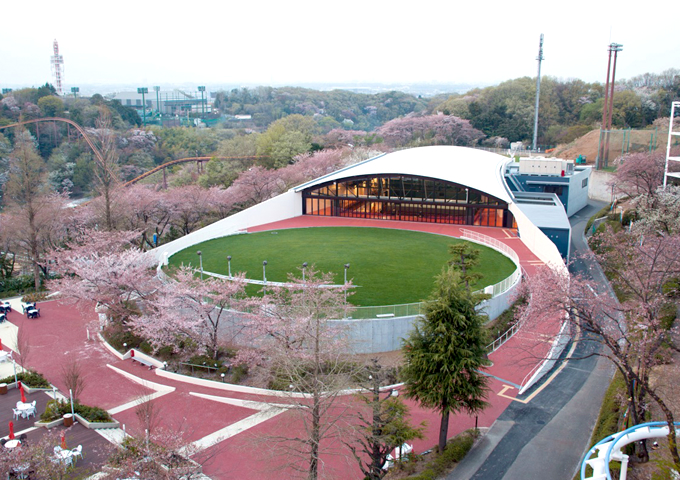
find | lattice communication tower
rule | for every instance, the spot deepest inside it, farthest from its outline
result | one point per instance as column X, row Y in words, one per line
column 57, row 66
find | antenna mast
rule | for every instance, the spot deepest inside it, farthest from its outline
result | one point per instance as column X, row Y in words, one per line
column 538, row 91
column 57, row 63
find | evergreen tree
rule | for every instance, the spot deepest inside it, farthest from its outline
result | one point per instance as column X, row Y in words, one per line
column 464, row 258
column 446, row 350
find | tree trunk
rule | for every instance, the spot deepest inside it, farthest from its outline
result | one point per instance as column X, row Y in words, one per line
column 443, row 431
column 376, row 432
column 314, row 438
column 33, row 241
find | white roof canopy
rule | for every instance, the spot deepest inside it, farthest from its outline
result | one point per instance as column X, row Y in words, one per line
column 469, row 167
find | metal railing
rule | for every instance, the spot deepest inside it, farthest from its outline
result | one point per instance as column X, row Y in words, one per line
column 387, row 311
column 207, row 368
column 411, row 309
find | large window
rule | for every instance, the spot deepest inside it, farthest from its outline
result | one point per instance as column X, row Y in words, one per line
column 406, row 198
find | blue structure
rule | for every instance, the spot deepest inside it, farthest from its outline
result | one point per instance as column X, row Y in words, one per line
column 549, row 191
column 550, row 175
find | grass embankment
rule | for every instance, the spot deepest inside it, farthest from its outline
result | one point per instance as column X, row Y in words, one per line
column 387, row 266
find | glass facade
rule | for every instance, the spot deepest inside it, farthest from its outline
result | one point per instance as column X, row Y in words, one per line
column 406, row 198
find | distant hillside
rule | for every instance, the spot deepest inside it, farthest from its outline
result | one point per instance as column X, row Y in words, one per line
column 620, row 141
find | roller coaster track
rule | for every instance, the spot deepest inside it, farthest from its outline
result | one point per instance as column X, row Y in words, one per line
column 97, row 153
column 100, row 158
column 183, row 160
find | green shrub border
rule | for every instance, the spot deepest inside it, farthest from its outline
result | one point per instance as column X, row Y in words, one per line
column 56, row 409
column 30, row 378
column 455, row 451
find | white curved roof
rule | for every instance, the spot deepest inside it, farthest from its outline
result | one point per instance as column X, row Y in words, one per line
column 470, row 167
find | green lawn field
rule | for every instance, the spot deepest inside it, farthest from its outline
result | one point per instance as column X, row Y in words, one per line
column 388, row 266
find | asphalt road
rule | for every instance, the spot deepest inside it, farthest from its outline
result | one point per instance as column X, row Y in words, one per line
column 547, row 437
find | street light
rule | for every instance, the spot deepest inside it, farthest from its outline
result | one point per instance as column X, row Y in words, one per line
column 346, row 268
column 143, row 91
column 222, row 375
column 157, row 88
column 304, row 267
column 229, row 261
column 202, row 90
column 74, row 91
column 264, row 271
column 200, row 260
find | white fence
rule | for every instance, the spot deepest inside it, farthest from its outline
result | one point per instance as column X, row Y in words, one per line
column 414, row 309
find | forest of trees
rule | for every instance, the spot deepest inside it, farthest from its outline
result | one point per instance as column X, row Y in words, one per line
column 289, row 121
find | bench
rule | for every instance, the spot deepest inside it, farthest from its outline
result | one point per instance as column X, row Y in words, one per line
column 385, row 315
column 141, row 361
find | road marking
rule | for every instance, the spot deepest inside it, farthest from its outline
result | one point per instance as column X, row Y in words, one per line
column 547, row 382
column 159, row 388
column 499, row 379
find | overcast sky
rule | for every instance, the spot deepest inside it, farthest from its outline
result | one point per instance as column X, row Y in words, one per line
column 298, row 41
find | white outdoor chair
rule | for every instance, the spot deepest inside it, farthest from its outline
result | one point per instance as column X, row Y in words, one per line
column 57, row 450
column 31, row 411
column 77, row 452
column 17, row 413
column 33, row 403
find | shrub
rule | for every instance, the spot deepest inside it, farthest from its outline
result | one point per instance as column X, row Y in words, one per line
column 34, row 297
column 16, row 285
column 56, row 409
column 454, row 452
column 30, row 378
column 239, row 372
column 117, row 335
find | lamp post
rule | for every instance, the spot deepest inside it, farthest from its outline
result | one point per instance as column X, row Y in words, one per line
column 143, row 91
column 229, row 263
column 264, row 276
column 346, row 268
column 304, row 267
column 202, row 90
column 74, row 91
column 157, row 89
column 200, row 261
column 222, row 375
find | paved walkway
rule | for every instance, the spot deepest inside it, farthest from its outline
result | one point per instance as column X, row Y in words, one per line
column 225, row 427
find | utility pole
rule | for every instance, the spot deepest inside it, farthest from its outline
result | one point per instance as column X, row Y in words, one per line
column 608, row 108
column 538, row 91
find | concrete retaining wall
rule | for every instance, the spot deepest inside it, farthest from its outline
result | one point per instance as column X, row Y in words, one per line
column 600, row 186
column 375, row 335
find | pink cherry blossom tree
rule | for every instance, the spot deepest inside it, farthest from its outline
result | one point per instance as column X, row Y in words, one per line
column 414, row 129
column 308, row 351
column 191, row 308
column 635, row 329
column 639, row 173
column 104, row 268
column 147, row 210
